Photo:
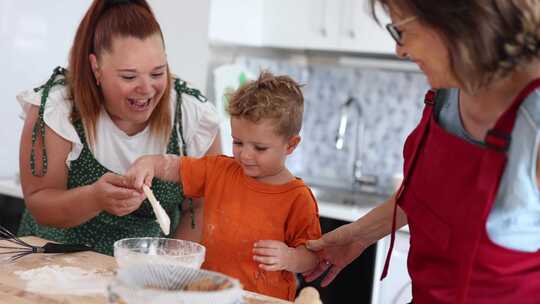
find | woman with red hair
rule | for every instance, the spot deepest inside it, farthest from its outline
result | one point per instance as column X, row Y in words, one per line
column 84, row 127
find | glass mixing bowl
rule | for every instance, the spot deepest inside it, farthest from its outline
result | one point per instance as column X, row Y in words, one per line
column 163, row 251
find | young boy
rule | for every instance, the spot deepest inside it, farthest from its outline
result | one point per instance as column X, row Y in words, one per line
column 257, row 215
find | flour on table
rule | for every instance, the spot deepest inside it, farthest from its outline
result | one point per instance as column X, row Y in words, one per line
column 69, row 260
column 65, row 280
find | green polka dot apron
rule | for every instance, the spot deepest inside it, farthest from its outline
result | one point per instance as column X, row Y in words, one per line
column 103, row 230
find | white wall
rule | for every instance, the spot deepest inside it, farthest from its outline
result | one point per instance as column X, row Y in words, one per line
column 35, row 36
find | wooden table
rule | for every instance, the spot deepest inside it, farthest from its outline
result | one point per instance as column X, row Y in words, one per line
column 12, row 288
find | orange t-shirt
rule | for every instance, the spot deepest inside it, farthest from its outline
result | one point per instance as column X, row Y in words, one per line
column 239, row 210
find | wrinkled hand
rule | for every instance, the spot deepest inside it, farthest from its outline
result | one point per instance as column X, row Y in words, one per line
column 113, row 196
column 337, row 249
column 141, row 172
column 273, row 255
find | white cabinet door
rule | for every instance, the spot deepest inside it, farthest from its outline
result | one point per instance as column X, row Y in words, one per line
column 301, row 24
column 396, row 287
column 360, row 33
column 330, row 25
column 236, row 22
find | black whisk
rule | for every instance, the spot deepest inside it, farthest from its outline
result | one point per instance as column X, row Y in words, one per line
column 21, row 248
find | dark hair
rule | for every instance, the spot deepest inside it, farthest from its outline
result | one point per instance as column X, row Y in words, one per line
column 103, row 22
column 486, row 39
column 273, row 97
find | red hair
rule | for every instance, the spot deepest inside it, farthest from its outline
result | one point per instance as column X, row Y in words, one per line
column 103, row 22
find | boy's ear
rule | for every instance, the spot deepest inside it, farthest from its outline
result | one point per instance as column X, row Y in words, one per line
column 293, row 143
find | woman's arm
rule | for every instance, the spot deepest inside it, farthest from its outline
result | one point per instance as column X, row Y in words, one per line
column 47, row 197
column 341, row 246
column 373, row 226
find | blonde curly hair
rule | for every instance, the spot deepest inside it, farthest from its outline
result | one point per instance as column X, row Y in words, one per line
column 270, row 97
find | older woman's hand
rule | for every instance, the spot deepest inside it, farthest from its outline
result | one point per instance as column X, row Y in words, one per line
column 113, row 196
column 337, row 249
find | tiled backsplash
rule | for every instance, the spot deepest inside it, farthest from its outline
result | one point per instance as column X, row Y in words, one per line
column 388, row 104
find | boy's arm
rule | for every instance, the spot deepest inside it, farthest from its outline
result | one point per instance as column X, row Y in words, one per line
column 185, row 231
column 145, row 168
column 276, row 255
column 306, row 260
column 303, row 223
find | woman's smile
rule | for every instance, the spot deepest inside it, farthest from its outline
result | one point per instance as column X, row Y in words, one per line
column 139, row 105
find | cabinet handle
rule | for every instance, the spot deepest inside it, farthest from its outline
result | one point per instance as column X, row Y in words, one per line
column 323, row 29
column 350, row 24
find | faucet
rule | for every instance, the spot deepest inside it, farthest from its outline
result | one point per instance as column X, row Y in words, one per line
column 366, row 181
column 344, row 118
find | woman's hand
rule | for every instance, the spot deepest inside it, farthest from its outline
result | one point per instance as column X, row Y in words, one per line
column 273, row 255
column 337, row 249
column 142, row 171
column 113, row 196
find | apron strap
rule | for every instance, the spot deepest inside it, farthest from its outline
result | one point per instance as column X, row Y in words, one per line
column 39, row 126
column 181, row 87
column 429, row 101
column 499, row 137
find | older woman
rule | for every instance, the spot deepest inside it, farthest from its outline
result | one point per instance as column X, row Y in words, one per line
column 471, row 189
column 86, row 125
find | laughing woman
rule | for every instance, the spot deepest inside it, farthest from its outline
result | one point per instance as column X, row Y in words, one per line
column 471, row 192
column 116, row 101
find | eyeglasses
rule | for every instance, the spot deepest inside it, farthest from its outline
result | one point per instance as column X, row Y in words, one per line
column 395, row 32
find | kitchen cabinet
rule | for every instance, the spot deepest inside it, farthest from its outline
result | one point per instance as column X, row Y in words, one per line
column 11, row 203
column 301, row 24
column 362, row 277
column 360, row 33
column 12, row 210
column 329, row 25
column 236, row 22
column 354, row 282
column 396, row 287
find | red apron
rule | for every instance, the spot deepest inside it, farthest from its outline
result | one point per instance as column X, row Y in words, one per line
column 449, row 188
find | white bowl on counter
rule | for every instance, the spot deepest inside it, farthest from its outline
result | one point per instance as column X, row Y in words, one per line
column 162, row 251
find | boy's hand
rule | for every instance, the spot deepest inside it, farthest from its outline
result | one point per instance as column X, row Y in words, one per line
column 141, row 172
column 337, row 251
column 273, row 255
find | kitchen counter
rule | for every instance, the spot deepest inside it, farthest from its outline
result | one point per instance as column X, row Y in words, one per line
column 12, row 287
column 334, row 204
column 9, row 187
column 345, row 205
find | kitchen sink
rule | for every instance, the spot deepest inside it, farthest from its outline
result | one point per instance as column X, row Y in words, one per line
column 347, row 197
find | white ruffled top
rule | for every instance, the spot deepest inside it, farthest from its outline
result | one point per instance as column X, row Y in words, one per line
column 114, row 149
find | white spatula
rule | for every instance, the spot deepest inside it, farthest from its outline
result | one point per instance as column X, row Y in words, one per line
column 162, row 217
